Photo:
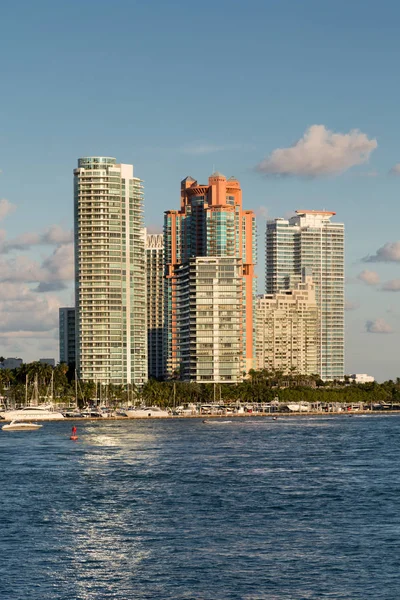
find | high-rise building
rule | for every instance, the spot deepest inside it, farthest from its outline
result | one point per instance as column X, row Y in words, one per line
column 67, row 335
column 110, row 278
column 48, row 361
column 311, row 240
column 288, row 330
column 155, row 303
column 210, row 253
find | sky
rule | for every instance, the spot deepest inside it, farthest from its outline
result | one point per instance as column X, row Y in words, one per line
column 298, row 100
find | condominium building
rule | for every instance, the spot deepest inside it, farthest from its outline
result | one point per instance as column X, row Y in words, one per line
column 110, row 279
column 209, row 307
column 311, row 240
column 210, row 253
column 67, row 338
column 155, row 303
column 288, row 330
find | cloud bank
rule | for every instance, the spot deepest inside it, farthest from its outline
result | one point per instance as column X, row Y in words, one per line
column 319, row 152
column 378, row 326
column 368, row 277
column 391, row 286
column 390, row 252
column 6, row 208
column 51, row 236
column 395, row 170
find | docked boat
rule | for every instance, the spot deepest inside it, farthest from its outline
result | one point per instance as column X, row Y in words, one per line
column 301, row 407
column 91, row 413
column 151, row 411
column 72, row 414
column 38, row 413
column 21, row 426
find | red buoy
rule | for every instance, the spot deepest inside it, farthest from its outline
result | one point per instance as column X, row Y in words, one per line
column 73, row 436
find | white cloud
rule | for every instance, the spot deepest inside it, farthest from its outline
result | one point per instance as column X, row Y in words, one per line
column 368, row 277
column 319, row 152
column 391, row 286
column 395, row 170
column 55, row 271
column 6, row 208
column 378, row 326
column 30, row 312
column 348, row 305
column 390, row 252
column 51, row 236
column 60, row 265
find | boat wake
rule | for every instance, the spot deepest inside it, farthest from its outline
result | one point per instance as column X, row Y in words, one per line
column 216, row 422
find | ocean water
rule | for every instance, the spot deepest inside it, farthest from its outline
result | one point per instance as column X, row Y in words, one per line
column 297, row 508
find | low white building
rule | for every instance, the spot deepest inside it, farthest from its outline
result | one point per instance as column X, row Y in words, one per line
column 361, row 378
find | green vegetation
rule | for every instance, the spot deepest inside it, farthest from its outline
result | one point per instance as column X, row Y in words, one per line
column 259, row 386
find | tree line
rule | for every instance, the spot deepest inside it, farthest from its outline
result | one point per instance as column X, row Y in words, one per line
column 58, row 385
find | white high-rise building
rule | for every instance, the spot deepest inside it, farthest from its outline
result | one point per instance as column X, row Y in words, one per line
column 110, row 277
column 287, row 335
column 209, row 310
column 311, row 240
column 155, row 303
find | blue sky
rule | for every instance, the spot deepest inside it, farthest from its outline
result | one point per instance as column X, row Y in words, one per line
column 184, row 87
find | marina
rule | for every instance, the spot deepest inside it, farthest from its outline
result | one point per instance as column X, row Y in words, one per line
column 216, row 412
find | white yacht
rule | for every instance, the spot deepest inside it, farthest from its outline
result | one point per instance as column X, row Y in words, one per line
column 151, row 411
column 42, row 412
column 301, row 407
column 21, row 426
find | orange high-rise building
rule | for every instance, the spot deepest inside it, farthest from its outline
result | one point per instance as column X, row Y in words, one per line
column 210, row 253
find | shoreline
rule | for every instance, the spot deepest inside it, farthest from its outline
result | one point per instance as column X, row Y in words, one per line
column 224, row 416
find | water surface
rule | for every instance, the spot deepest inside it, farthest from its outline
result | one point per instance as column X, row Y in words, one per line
column 298, row 508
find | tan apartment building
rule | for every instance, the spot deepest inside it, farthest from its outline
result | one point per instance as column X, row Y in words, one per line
column 287, row 334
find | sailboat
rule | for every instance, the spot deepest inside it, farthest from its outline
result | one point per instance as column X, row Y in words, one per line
column 36, row 411
column 74, row 412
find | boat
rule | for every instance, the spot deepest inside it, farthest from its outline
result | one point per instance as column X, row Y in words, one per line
column 215, row 422
column 298, row 407
column 72, row 414
column 150, row 411
column 43, row 412
column 36, row 411
column 21, row 426
column 91, row 413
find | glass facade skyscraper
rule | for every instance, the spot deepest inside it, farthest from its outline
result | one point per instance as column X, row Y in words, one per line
column 311, row 240
column 67, row 335
column 110, row 281
column 210, row 254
